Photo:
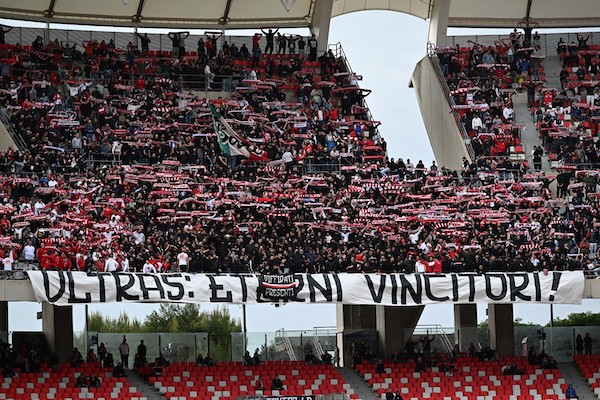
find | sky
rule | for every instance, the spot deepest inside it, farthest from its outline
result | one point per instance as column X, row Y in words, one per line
column 384, row 48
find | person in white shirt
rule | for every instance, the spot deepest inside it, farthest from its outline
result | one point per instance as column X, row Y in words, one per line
column 111, row 265
column 413, row 237
column 345, row 236
column 38, row 206
column 96, row 255
column 420, row 266
column 476, row 123
column 183, row 260
column 139, row 237
column 208, row 76
column 24, row 208
column 76, row 142
column 7, row 262
column 425, row 247
column 287, row 157
column 28, row 253
column 149, row 268
column 124, row 263
column 507, row 112
column 114, row 220
column 116, row 147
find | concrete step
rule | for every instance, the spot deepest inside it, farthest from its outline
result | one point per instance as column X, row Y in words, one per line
column 571, row 375
column 357, row 384
column 147, row 391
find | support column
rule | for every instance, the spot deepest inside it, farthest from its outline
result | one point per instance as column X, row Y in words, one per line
column 320, row 24
column 438, row 22
column 355, row 317
column 47, row 37
column 502, row 331
column 465, row 325
column 4, row 321
column 395, row 325
column 352, row 318
column 57, row 325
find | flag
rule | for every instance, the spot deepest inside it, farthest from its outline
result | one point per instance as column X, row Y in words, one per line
column 231, row 143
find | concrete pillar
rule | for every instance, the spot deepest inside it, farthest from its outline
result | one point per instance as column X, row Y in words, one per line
column 438, row 23
column 57, row 325
column 355, row 317
column 465, row 325
column 395, row 325
column 4, row 321
column 502, row 332
column 320, row 24
column 352, row 318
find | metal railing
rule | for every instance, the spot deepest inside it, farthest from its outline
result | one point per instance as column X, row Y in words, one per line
column 103, row 159
column 463, row 132
column 313, row 167
column 438, row 332
column 17, row 138
column 338, row 52
column 317, row 344
column 281, row 336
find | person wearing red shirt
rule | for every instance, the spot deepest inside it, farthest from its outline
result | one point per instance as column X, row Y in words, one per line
column 437, row 266
column 80, row 262
column 55, row 261
column 64, row 262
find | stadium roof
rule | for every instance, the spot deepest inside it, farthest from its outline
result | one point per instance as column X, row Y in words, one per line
column 232, row 14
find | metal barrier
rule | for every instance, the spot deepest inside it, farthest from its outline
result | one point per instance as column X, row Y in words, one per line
column 338, row 52
column 103, row 159
column 316, row 168
column 158, row 42
column 17, row 138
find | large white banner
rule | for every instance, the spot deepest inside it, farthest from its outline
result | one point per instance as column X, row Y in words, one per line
column 66, row 288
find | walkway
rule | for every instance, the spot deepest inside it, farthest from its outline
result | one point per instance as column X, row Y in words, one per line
column 574, row 377
column 147, row 391
column 356, row 384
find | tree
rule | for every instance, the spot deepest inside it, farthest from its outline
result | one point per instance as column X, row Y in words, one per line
column 122, row 324
column 587, row 318
column 176, row 318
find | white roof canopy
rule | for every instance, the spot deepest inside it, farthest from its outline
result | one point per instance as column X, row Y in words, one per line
column 232, row 14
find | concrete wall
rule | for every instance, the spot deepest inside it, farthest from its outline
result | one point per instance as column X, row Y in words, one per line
column 16, row 290
column 444, row 135
column 6, row 141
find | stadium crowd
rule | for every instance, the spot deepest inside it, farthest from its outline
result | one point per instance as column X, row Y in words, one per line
column 165, row 197
column 483, row 78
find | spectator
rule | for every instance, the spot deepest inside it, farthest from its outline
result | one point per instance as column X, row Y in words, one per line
column 587, row 344
column 579, row 345
column 124, row 352
column 82, row 381
column 277, row 384
column 119, row 371
column 91, row 357
column 102, row 352
column 141, row 351
column 570, row 393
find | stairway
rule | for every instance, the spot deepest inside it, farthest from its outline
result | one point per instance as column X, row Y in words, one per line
column 147, row 391
column 552, row 68
column 355, row 384
column 571, row 375
column 529, row 135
